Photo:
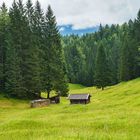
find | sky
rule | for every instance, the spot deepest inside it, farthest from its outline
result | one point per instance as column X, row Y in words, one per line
column 86, row 15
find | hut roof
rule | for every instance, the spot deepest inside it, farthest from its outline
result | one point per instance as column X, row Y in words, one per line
column 78, row 96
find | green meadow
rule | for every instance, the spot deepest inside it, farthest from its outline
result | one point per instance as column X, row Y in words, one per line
column 113, row 114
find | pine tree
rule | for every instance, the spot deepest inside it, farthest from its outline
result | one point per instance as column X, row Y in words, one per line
column 55, row 76
column 25, row 61
column 30, row 13
column 101, row 66
column 75, row 60
column 137, row 38
column 129, row 53
column 38, row 23
column 124, row 68
column 39, row 38
column 13, row 77
column 4, row 21
column 30, row 55
column 12, row 72
column 133, row 49
column 101, row 32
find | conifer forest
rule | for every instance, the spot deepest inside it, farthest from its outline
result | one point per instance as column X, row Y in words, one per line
column 35, row 57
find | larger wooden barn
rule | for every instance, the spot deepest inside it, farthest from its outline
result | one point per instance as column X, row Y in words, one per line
column 79, row 98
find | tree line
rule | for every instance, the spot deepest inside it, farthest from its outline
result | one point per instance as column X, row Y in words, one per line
column 31, row 53
column 106, row 57
column 34, row 57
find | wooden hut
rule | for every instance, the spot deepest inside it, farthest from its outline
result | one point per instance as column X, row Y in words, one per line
column 40, row 103
column 55, row 99
column 79, row 98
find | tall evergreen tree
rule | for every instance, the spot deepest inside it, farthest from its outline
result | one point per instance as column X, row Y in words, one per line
column 4, row 21
column 55, row 75
column 129, row 53
column 133, row 49
column 75, row 60
column 30, row 14
column 137, row 38
column 39, row 37
column 13, row 84
column 101, row 72
column 124, row 67
column 32, row 60
column 25, row 53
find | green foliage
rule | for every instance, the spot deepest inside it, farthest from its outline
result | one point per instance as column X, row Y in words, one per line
column 124, row 70
column 4, row 21
column 122, row 51
column 55, row 73
column 75, row 59
column 88, row 44
column 32, row 59
column 35, row 58
column 137, row 37
column 13, row 77
column 102, row 70
column 129, row 68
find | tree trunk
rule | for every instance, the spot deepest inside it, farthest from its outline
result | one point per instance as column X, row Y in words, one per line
column 48, row 96
column 39, row 94
column 102, row 88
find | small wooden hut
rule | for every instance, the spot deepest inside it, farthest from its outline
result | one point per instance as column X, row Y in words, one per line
column 79, row 98
column 40, row 103
column 55, row 99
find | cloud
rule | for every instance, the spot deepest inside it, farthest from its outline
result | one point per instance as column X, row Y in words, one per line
column 89, row 13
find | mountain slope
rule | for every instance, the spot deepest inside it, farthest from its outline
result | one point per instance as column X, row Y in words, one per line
column 112, row 114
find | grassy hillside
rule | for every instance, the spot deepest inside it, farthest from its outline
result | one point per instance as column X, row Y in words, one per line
column 75, row 86
column 113, row 114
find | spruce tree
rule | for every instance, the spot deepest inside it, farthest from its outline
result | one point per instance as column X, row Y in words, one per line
column 129, row 53
column 38, row 23
column 4, row 21
column 25, row 61
column 125, row 65
column 13, row 79
column 55, row 73
column 13, row 84
column 30, row 13
column 137, row 38
column 101, row 68
column 75, row 60
column 133, row 49
column 39, row 38
column 30, row 55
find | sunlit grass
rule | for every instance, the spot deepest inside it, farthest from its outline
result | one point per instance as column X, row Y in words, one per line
column 75, row 86
column 113, row 114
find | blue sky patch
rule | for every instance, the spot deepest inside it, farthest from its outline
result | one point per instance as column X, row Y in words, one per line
column 68, row 30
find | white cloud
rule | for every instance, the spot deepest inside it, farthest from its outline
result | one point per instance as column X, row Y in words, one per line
column 89, row 13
